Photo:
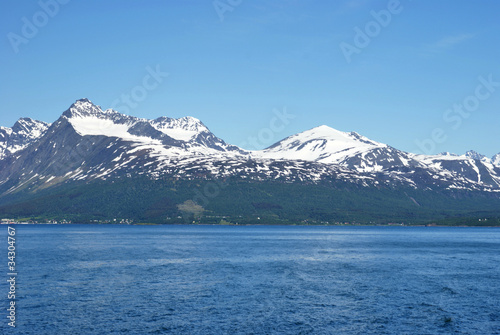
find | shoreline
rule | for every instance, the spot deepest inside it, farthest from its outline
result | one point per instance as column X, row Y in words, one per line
column 249, row 224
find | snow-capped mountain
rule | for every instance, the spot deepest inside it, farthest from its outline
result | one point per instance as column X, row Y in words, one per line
column 24, row 131
column 329, row 146
column 321, row 144
column 87, row 143
column 374, row 162
column 187, row 133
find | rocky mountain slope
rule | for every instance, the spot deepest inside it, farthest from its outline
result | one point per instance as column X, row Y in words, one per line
column 24, row 131
column 89, row 144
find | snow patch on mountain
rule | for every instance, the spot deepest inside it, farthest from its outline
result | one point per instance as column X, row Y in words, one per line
column 95, row 126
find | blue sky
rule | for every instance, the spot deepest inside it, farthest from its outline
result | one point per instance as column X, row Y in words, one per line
column 234, row 64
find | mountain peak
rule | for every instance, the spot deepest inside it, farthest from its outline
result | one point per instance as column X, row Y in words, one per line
column 23, row 123
column 324, row 130
column 82, row 103
column 29, row 127
column 85, row 108
column 495, row 160
column 474, row 155
column 323, row 127
column 24, row 131
column 321, row 144
column 190, row 119
column 184, row 128
column 185, row 120
column 328, row 133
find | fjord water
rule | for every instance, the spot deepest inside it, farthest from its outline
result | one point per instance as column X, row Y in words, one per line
column 98, row 279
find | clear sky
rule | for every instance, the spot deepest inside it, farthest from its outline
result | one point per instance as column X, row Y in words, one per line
column 389, row 70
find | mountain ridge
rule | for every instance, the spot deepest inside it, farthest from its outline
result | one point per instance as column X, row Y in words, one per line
column 22, row 133
column 165, row 122
column 88, row 145
column 178, row 146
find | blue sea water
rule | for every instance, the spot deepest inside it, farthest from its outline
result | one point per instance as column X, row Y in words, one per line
column 98, row 279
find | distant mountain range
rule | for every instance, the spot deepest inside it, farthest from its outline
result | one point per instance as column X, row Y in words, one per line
column 88, row 146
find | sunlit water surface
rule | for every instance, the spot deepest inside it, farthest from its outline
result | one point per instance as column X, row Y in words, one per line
column 98, row 279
